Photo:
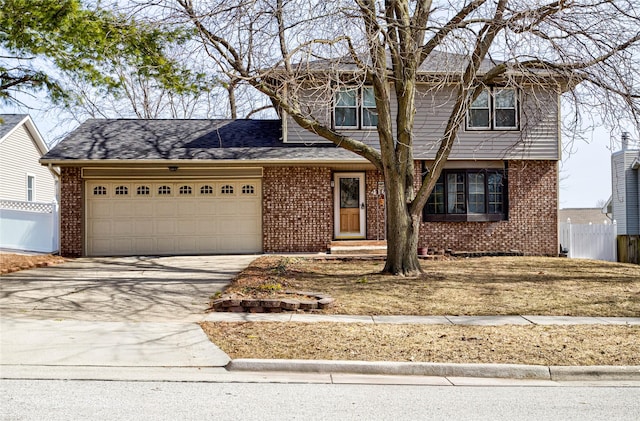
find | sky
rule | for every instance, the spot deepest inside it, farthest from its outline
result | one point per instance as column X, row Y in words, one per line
column 585, row 170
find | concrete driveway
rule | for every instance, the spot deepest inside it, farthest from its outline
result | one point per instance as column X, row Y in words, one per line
column 119, row 289
column 111, row 312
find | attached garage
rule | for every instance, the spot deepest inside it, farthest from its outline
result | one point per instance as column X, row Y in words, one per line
column 168, row 217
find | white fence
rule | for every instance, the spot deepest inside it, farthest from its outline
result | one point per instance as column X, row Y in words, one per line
column 589, row 241
column 29, row 226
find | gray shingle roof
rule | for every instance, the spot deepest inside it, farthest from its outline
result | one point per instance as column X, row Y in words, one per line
column 438, row 62
column 124, row 139
column 8, row 122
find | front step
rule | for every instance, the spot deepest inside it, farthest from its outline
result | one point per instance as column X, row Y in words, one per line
column 355, row 247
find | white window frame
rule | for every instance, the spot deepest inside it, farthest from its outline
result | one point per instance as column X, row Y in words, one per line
column 31, row 191
column 359, row 108
column 491, row 123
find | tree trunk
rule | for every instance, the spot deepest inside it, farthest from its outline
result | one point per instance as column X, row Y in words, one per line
column 402, row 239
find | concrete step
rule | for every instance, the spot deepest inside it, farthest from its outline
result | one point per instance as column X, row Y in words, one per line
column 358, row 247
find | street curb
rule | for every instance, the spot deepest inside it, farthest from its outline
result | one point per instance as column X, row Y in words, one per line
column 503, row 371
column 596, row 372
column 510, row 371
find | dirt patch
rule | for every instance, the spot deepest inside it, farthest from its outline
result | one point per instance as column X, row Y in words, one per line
column 539, row 345
column 11, row 262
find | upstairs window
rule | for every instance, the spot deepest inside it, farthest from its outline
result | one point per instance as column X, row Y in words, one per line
column 494, row 109
column 468, row 195
column 355, row 108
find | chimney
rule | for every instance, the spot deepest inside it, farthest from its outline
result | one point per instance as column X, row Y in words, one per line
column 625, row 141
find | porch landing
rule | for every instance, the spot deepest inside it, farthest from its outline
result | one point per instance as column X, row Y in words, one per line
column 356, row 247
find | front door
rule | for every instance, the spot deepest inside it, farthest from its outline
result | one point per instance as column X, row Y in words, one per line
column 350, row 208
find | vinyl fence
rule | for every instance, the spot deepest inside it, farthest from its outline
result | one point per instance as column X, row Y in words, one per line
column 589, row 241
column 29, row 226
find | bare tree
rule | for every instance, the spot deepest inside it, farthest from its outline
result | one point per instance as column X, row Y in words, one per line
column 299, row 52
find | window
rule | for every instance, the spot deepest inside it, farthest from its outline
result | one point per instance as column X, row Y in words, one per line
column 185, row 190
column 100, row 191
column 494, row 109
column 31, row 188
column 355, row 108
column 206, row 190
column 226, row 189
column 248, row 189
column 164, row 190
column 122, row 191
column 468, row 195
column 143, row 191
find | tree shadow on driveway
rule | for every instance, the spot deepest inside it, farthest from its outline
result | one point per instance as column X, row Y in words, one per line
column 128, row 289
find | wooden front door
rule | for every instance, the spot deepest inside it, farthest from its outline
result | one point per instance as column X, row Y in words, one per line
column 349, row 205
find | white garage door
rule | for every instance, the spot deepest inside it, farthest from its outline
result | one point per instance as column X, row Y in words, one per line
column 164, row 218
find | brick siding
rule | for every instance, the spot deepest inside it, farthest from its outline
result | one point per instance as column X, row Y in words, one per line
column 71, row 212
column 533, row 217
column 297, row 212
column 375, row 210
column 297, row 209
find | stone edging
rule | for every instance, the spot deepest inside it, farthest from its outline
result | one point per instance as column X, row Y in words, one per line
column 234, row 304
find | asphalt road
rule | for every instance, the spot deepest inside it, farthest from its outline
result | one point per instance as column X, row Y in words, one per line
column 81, row 400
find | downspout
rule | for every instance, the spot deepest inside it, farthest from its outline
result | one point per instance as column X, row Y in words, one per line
column 56, row 177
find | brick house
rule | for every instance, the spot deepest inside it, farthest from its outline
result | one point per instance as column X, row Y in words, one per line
column 133, row 187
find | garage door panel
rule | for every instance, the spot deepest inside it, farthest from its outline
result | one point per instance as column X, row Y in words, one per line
column 165, row 226
column 187, row 227
column 143, row 208
column 100, row 210
column 123, row 245
column 122, row 227
column 123, row 209
column 165, row 207
column 222, row 216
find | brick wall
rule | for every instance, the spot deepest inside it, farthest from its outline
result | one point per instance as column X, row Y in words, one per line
column 297, row 209
column 533, row 218
column 71, row 212
column 375, row 211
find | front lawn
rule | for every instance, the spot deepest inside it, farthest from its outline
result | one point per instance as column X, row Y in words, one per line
column 471, row 286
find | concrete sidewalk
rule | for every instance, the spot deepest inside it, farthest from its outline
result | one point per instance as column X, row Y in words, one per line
column 423, row 320
column 177, row 351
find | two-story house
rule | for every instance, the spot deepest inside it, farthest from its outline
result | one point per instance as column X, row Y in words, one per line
column 250, row 186
column 28, row 214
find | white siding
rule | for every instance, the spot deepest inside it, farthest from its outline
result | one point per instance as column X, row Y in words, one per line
column 19, row 157
column 537, row 139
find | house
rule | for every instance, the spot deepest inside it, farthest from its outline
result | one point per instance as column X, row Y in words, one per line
column 249, row 186
column 28, row 214
column 624, row 204
column 583, row 216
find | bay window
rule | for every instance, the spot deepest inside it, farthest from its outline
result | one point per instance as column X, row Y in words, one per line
column 468, row 195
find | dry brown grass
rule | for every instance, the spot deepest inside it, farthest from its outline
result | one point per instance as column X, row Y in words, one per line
column 479, row 286
column 540, row 345
column 10, row 262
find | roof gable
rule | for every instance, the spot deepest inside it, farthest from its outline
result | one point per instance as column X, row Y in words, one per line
column 10, row 123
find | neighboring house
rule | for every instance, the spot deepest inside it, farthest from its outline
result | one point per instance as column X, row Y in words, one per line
column 27, row 189
column 583, row 216
column 249, row 186
column 624, row 204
